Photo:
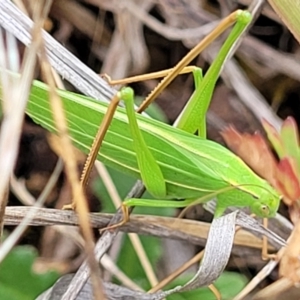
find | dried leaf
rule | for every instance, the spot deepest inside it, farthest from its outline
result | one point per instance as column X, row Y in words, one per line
column 290, row 261
column 253, row 150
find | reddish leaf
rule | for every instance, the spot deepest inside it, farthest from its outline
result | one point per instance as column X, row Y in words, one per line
column 253, row 150
column 284, row 176
column 287, row 180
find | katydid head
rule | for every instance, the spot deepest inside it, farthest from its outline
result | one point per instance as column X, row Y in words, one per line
column 266, row 206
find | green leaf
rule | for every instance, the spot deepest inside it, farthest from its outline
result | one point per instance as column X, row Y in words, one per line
column 18, row 280
column 229, row 284
column 274, row 138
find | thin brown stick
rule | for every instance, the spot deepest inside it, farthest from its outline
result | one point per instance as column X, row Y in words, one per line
column 71, row 168
column 177, row 272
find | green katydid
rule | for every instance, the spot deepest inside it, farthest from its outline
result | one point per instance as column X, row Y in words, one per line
column 191, row 120
column 192, row 167
column 172, row 163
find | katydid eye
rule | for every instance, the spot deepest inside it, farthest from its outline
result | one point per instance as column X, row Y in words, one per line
column 265, row 209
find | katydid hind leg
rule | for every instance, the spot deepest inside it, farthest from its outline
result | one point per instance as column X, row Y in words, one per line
column 149, row 169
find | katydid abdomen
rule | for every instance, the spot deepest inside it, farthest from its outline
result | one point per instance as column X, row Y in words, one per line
column 192, row 167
